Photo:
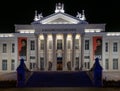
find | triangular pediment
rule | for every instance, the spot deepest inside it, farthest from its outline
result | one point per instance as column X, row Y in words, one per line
column 60, row 18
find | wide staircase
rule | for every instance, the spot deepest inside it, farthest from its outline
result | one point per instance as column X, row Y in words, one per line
column 59, row 79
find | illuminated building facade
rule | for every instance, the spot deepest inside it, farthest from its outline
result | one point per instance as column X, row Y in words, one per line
column 59, row 42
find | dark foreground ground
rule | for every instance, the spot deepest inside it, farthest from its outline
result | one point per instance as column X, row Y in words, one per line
column 60, row 89
column 11, row 86
column 106, row 84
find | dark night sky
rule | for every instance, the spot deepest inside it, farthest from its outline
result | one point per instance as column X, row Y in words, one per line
column 22, row 12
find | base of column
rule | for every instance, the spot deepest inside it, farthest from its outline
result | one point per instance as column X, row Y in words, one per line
column 73, row 68
column 46, row 69
column 53, row 68
column 65, row 68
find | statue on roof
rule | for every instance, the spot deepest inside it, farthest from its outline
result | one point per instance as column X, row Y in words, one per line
column 81, row 16
column 59, row 8
column 38, row 16
column 78, row 15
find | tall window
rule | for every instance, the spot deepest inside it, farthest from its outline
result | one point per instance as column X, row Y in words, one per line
column 77, row 63
column 106, row 64
column 87, row 65
column 13, row 47
column 12, row 64
column 50, row 44
column 86, row 44
column 59, row 44
column 69, row 44
column 115, row 47
column 32, row 45
column 42, row 44
column 76, row 43
column 4, row 48
column 106, row 47
column 115, row 63
column 41, row 63
column 32, row 65
column 4, row 64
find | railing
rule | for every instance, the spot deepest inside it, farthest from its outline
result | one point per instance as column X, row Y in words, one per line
column 91, row 75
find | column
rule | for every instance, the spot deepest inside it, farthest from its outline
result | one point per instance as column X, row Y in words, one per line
column 110, row 55
column 65, row 51
column 80, row 48
column 82, row 52
column 73, row 51
column 54, row 53
column 37, row 52
column 45, row 52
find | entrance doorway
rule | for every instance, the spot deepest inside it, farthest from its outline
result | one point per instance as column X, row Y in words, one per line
column 59, row 63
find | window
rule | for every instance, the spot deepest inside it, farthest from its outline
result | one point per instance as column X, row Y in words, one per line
column 87, row 65
column 4, row 48
column 115, row 63
column 106, row 64
column 77, row 63
column 59, row 44
column 4, row 64
column 76, row 43
column 13, row 48
column 41, row 63
column 115, row 47
column 87, row 57
column 32, row 57
column 12, row 64
column 106, row 47
column 69, row 44
column 32, row 45
column 32, row 65
column 50, row 44
column 42, row 45
column 86, row 44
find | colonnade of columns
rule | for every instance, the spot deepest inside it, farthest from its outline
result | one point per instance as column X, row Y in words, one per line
column 54, row 52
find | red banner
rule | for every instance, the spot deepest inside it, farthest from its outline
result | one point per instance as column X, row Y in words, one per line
column 22, row 48
column 97, row 47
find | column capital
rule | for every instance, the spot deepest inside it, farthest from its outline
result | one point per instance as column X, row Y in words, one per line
column 82, row 34
column 65, row 35
column 54, row 35
column 37, row 35
column 73, row 35
column 44, row 34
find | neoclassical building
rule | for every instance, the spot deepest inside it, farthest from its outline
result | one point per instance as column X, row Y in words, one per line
column 59, row 42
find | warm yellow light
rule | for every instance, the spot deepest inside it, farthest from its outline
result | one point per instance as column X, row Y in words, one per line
column 77, row 36
column 41, row 37
column 6, row 35
column 49, row 37
column 59, row 36
column 69, row 37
